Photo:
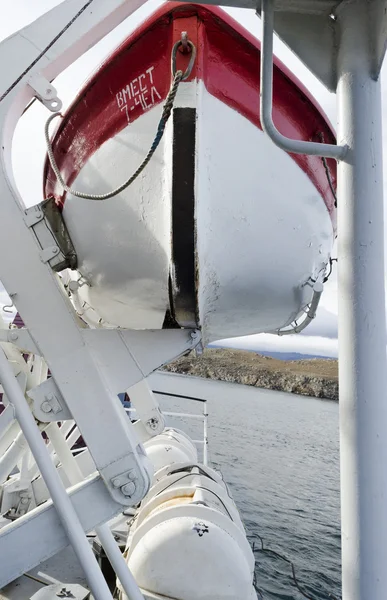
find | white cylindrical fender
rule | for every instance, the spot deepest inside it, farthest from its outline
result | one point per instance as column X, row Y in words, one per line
column 170, row 447
column 194, row 559
column 188, row 541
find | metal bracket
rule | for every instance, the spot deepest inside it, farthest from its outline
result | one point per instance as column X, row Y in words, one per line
column 49, row 404
column 33, row 215
column 16, row 499
column 127, row 487
column 49, row 253
column 310, row 313
column 51, row 232
column 45, row 92
column 126, row 356
column 126, row 482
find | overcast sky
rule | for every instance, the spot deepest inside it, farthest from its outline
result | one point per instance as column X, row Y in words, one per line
column 29, row 147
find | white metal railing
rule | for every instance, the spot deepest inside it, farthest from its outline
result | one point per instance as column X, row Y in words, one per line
column 203, row 443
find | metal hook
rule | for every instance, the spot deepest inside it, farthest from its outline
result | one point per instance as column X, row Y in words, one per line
column 8, row 306
column 175, row 48
column 185, row 48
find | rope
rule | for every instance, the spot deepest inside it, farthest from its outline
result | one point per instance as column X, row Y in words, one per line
column 270, row 552
column 178, row 77
column 327, row 171
column 43, row 52
column 331, row 261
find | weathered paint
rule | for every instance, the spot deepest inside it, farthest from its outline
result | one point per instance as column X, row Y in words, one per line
column 264, row 220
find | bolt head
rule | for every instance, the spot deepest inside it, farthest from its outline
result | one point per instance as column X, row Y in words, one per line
column 46, row 407
column 128, row 489
column 13, row 336
column 152, row 423
column 73, row 286
column 117, row 482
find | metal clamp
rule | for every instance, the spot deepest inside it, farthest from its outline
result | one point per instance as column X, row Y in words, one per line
column 126, row 483
column 310, row 313
column 130, row 486
column 48, row 403
column 45, row 92
column 47, row 223
column 33, row 215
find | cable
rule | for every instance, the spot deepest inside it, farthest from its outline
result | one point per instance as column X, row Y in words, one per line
column 43, row 52
column 327, row 171
column 331, row 261
column 287, row 560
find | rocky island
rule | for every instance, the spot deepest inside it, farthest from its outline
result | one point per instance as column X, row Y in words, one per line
column 309, row 377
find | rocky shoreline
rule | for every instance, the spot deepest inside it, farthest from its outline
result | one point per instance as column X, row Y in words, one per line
column 311, row 377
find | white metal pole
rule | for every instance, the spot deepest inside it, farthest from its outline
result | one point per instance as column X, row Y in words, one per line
column 62, row 502
column 362, row 323
column 118, row 563
column 64, row 454
column 33, row 469
column 106, row 537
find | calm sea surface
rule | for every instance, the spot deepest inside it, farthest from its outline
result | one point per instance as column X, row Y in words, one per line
column 279, row 454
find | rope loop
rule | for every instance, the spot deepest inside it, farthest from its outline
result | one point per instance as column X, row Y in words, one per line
column 178, row 77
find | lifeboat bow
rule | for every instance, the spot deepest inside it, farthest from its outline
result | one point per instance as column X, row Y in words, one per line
column 219, row 228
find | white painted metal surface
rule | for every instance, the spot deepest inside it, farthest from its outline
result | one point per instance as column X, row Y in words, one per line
column 66, row 512
column 43, row 527
column 75, row 476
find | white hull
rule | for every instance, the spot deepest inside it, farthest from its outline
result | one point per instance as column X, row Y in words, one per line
column 246, row 190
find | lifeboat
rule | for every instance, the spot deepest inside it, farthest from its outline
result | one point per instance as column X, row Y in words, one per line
column 221, row 230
